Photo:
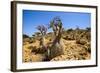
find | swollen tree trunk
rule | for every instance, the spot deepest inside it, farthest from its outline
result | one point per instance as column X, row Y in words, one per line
column 42, row 48
column 42, row 41
column 56, row 48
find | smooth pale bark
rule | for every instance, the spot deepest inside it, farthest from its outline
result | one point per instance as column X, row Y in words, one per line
column 57, row 47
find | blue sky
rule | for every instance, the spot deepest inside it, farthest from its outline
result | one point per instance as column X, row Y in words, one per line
column 32, row 18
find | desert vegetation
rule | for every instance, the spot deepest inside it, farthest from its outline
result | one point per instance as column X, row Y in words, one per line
column 59, row 45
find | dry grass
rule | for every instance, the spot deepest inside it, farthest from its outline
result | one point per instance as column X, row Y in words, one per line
column 74, row 49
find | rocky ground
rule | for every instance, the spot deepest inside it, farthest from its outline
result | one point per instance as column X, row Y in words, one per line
column 76, row 45
column 73, row 50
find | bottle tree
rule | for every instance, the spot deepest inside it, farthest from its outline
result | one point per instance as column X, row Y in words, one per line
column 42, row 29
column 57, row 47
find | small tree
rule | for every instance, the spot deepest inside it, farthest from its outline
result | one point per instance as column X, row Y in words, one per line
column 42, row 29
column 33, row 35
column 25, row 36
column 88, row 29
column 69, row 30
